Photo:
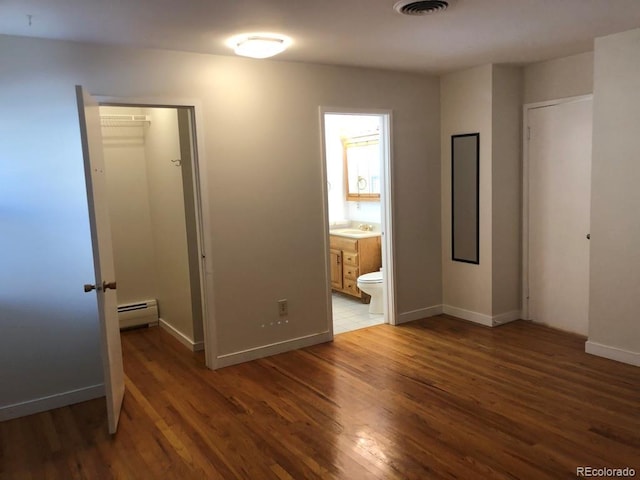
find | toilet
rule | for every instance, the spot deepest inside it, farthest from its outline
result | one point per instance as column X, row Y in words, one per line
column 371, row 284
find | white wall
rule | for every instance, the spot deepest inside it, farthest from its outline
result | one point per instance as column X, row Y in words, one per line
column 49, row 338
column 267, row 154
column 466, row 108
column 506, row 191
column 129, row 211
column 187, row 158
column 168, row 221
column 559, row 78
column 488, row 100
column 612, row 74
column 261, row 157
column 614, row 303
column 337, row 207
column 148, row 220
column 364, row 212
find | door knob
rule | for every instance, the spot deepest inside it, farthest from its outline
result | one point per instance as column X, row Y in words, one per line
column 588, row 236
column 105, row 285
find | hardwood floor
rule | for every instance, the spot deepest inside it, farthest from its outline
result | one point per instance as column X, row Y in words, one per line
column 436, row 398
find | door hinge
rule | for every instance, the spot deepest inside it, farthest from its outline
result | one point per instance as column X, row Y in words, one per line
column 528, row 133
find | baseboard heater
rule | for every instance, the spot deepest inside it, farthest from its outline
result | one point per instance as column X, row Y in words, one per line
column 136, row 314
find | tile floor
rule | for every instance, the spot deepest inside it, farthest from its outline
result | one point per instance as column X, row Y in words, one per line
column 349, row 313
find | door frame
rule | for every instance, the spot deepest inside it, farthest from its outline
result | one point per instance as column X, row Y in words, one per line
column 525, row 188
column 386, row 205
column 201, row 196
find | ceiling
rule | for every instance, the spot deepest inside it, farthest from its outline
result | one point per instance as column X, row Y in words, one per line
column 366, row 33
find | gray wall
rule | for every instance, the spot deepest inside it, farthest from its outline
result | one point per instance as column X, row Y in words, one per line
column 488, row 100
column 261, row 156
column 466, row 108
column 559, row 78
column 261, row 149
column 49, row 339
column 612, row 74
column 506, row 190
column 129, row 210
column 147, row 212
column 168, row 221
column 614, row 302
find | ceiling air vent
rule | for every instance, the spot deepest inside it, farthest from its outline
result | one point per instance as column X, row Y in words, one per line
column 422, row 7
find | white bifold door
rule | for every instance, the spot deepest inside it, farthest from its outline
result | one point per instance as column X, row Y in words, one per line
column 105, row 283
column 559, row 180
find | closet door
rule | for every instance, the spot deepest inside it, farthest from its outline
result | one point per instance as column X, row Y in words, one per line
column 559, row 154
column 105, row 284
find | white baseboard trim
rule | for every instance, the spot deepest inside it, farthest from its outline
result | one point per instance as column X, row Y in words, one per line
column 50, row 402
column 181, row 337
column 272, row 349
column 612, row 353
column 475, row 317
column 419, row 314
column 481, row 318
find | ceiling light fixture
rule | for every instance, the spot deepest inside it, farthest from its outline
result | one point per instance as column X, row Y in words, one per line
column 259, row 45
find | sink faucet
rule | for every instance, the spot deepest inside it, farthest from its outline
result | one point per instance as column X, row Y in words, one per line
column 366, row 228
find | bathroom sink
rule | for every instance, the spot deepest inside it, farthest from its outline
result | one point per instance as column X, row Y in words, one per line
column 354, row 233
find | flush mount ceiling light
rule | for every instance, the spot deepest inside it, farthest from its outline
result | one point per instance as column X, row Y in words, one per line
column 259, row 45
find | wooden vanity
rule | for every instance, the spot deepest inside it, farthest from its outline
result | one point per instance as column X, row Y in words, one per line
column 350, row 258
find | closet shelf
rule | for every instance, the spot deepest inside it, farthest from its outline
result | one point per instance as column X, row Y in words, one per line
column 125, row 120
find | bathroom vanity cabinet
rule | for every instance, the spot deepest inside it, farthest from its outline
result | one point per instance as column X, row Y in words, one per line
column 350, row 258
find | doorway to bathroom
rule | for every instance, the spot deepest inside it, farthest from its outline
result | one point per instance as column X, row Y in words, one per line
column 149, row 161
column 357, row 182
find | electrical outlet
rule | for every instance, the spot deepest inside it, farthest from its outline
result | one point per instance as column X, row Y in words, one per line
column 283, row 307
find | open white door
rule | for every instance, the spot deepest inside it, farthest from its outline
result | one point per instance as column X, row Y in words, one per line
column 88, row 112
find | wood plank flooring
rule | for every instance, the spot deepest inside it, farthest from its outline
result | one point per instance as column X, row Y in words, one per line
column 436, row 398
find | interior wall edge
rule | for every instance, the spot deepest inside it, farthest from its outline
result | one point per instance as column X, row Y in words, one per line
column 50, row 402
column 506, row 317
column 185, row 340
